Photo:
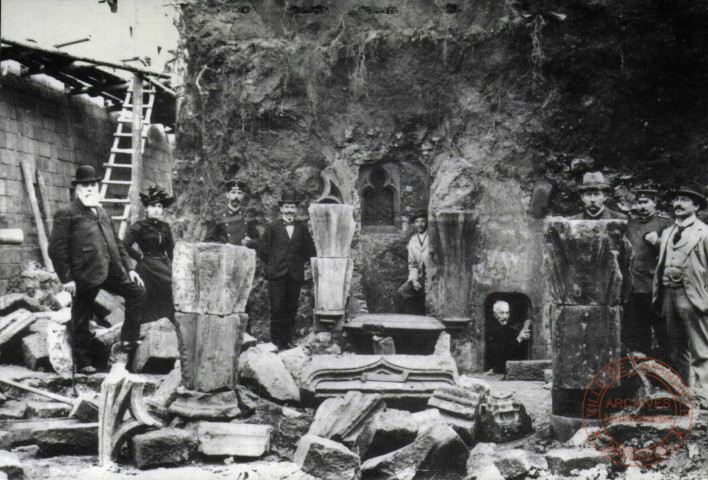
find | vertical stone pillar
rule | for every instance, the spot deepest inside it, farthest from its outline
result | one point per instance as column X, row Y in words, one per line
column 449, row 283
column 589, row 278
column 210, row 284
column 333, row 229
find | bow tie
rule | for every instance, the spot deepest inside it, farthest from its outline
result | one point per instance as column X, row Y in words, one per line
column 288, row 224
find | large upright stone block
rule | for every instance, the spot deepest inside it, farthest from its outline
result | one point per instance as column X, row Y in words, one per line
column 453, row 235
column 212, row 278
column 585, row 340
column 333, row 227
column 332, row 278
column 588, row 261
column 209, row 347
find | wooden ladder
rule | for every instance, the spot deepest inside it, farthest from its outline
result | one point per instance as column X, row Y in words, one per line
column 116, row 186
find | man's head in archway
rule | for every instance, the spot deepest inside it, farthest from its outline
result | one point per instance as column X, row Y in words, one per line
column 501, row 312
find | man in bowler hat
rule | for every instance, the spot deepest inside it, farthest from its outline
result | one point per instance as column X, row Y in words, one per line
column 681, row 290
column 88, row 256
column 593, row 193
column 410, row 297
column 230, row 225
column 284, row 248
column 640, row 319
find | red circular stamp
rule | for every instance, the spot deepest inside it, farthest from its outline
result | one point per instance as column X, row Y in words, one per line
column 637, row 411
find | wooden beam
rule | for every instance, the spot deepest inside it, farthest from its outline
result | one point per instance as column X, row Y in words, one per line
column 27, row 171
column 136, row 177
column 118, row 66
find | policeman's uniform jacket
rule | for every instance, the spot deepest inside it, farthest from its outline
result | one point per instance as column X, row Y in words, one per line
column 228, row 227
column 645, row 254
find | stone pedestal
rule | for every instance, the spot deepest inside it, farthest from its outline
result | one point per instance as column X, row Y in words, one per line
column 589, row 278
column 211, row 283
column 452, row 239
column 333, row 228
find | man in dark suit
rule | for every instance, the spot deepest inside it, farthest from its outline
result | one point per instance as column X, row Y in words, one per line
column 284, row 248
column 88, row 256
column 593, row 194
column 230, row 225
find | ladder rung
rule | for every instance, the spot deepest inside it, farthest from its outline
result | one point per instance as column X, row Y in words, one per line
column 118, row 182
column 121, row 218
column 118, row 165
column 122, row 150
column 115, row 200
column 128, row 135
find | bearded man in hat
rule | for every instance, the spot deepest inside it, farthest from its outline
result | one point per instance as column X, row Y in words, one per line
column 230, row 225
column 681, row 290
column 639, row 317
column 88, row 256
column 284, row 248
column 593, row 193
column 410, row 297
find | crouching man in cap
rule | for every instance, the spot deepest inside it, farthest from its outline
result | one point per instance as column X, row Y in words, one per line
column 88, row 256
column 230, row 224
column 681, row 290
column 410, row 297
column 284, row 248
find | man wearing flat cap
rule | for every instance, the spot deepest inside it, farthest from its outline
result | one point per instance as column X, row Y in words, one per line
column 88, row 256
column 230, row 225
column 284, row 248
column 593, row 193
column 681, row 290
column 410, row 297
column 639, row 317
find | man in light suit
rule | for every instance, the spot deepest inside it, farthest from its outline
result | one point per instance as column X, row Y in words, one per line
column 88, row 256
column 410, row 297
column 681, row 290
column 284, row 248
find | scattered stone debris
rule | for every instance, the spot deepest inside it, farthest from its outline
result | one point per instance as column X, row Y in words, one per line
column 266, row 372
column 562, row 461
column 384, row 432
column 342, row 419
column 326, row 459
column 11, row 466
column 459, row 409
column 526, row 369
column 503, row 418
column 205, row 406
column 164, row 447
column 233, row 439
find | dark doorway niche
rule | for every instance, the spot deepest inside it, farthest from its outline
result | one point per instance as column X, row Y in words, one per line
column 520, row 309
column 379, row 188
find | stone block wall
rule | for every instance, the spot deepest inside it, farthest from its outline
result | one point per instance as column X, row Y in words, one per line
column 56, row 133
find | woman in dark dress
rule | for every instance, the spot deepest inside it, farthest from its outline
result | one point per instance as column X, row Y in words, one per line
column 154, row 258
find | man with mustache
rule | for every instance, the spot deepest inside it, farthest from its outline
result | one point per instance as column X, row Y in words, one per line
column 681, row 290
column 88, row 256
column 410, row 297
column 230, row 225
column 284, row 248
column 640, row 318
column 593, row 194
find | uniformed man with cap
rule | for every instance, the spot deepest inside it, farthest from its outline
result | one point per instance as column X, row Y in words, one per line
column 681, row 290
column 230, row 225
column 639, row 317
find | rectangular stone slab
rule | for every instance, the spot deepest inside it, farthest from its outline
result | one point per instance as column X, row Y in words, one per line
column 585, row 339
column 212, row 278
column 233, row 439
column 526, row 369
column 209, row 347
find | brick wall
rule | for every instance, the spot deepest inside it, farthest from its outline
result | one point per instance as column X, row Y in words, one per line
column 56, row 133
